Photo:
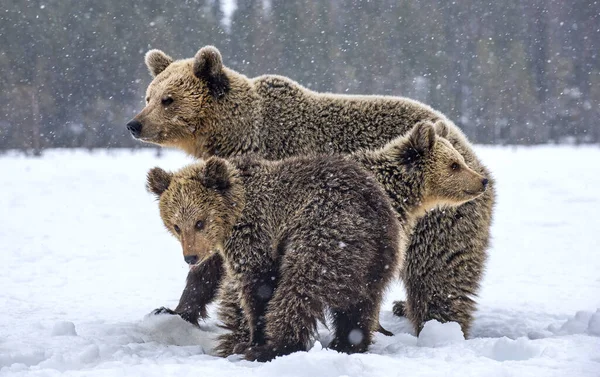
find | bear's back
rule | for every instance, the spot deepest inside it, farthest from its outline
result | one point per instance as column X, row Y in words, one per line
column 311, row 188
column 298, row 121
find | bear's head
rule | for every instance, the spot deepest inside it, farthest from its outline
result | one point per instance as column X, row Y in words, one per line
column 199, row 205
column 440, row 170
column 180, row 98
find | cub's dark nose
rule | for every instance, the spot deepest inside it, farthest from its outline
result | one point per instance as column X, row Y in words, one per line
column 484, row 182
column 191, row 259
column 135, row 127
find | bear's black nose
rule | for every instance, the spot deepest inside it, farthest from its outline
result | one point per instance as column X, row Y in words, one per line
column 191, row 259
column 484, row 182
column 135, row 127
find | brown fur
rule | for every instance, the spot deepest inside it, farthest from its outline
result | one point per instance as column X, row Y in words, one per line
column 275, row 118
column 297, row 237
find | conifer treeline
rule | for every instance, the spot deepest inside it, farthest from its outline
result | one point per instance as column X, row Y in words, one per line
column 509, row 71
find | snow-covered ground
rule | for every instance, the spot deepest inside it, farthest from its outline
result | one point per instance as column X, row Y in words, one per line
column 84, row 257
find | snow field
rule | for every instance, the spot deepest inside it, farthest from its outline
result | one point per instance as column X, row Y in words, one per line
column 85, row 258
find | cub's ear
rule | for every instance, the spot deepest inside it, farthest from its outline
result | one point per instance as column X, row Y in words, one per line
column 157, row 61
column 441, row 128
column 158, row 181
column 208, row 66
column 216, row 174
column 422, row 137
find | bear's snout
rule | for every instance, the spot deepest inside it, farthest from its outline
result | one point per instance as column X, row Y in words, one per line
column 135, row 127
column 484, row 182
column 190, row 259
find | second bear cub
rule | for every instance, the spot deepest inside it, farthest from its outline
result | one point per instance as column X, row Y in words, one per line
column 298, row 237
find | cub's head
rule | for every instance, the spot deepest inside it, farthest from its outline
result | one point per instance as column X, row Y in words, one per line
column 199, row 205
column 445, row 177
column 180, row 97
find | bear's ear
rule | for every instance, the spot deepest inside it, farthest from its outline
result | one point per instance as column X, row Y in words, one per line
column 441, row 128
column 422, row 137
column 158, row 181
column 157, row 61
column 208, row 66
column 216, row 174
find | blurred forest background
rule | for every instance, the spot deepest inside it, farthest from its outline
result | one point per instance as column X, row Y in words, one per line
column 506, row 71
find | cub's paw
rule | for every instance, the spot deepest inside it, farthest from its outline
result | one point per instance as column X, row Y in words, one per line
column 226, row 344
column 399, row 308
column 188, row 317
column 269, row 351
column 343, row 345
column 266, row 352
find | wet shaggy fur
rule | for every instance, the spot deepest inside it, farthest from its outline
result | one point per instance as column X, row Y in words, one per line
column 206, row 109
column 422, row 172
column 298, row 237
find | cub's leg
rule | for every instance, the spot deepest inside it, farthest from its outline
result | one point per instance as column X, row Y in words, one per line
column 355, row 321
column 200, row 290
column 256, row 290
column 232, row 316
column 291, row 317
column 353, row 327
column 316, row 272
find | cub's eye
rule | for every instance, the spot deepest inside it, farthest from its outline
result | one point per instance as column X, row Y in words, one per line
column 455, row 166
column 177, row 229
column 199, row 225
column 166, row 101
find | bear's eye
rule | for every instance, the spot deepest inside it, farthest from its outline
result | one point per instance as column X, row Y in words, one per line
column 455, row 166
column 147, row 99
column 166, row 101
column 199, row 225
column 177, row 229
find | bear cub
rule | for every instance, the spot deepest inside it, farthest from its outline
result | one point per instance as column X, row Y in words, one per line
column 300, row 238
column 422, row 172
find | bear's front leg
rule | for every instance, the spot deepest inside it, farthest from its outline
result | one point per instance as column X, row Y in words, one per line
column 200, row 290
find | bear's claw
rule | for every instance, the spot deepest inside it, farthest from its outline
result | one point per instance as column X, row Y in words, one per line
column 163, row 310
column 185, row 316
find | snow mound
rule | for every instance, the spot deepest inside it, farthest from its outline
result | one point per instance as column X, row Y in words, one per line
column 173, row 330
column 594, row 324
column 584, row 322
column 436, row 334
column 64, row 328
column 505, row 349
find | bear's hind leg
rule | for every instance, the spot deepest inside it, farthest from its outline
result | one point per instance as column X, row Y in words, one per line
column 256, row 292
column 291, row 316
